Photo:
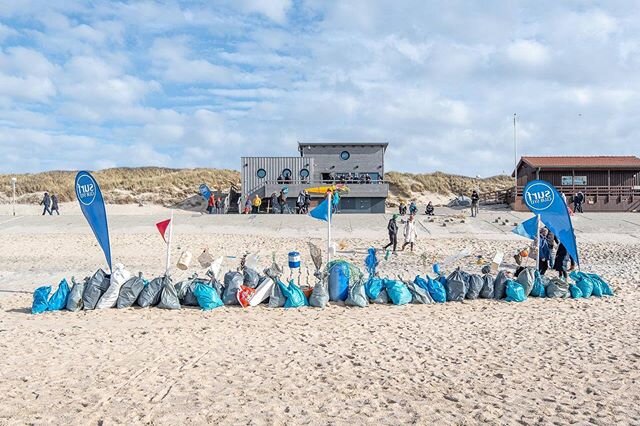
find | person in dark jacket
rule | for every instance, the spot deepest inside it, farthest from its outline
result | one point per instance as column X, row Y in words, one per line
column 46, row 202
column 307, row 201
column 282, row 201
column 54, row 204
column 429, row 210
column 475, row 199
column 544, row 252
column 274, row 202
column 561, row 263
column 392, row 227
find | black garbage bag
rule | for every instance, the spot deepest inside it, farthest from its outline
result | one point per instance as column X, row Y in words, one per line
column 475, row 286
column 456, row 286
column 95, row 288
column 130, row 291
column 168, row 295
column 500, row 285
column 150, row 294
column 487, row 286
column 251, row 277
column 232, row 282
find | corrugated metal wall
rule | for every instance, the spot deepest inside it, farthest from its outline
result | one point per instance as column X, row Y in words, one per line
column 273, row 166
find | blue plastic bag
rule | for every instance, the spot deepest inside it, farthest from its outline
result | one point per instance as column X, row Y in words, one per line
column 294, row 295
column 604, row 286
column 373, row 287
column 575, row 291
column 515, row 292
column 597, row 288
column 339, row 282
column 40, row 299
column 207, row 297
column 538, row 289
column 58, row 301
column 436, row 288
column 398, row 292
column 371, row 262
column 584, row 282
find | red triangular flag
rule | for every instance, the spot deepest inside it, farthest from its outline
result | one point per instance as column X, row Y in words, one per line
column 162, row 227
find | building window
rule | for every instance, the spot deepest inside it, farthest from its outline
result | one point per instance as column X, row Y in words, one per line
column 344, row 155
column 286, row 174
column 261, row 173
column 304, row 173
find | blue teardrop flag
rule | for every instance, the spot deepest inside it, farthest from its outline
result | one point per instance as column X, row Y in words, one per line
column 543, row 199
column 92, row 206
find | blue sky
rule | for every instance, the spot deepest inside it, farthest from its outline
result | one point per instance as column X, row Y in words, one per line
column 90, row 85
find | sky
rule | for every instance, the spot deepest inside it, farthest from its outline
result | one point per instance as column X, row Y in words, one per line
column 93, row 85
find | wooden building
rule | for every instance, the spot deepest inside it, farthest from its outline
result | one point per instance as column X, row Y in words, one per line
column 359, row 165
column 609, row 183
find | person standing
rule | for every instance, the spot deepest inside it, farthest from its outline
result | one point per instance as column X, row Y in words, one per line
column 217, row 205
column 561, row 262
column 54, row 204
column 401, row 208
column 300, row 203
column 413, row 208
column 274, row 202
column 257, row 202
column 392, row 227
column 544, row 252
column 211, row 203
column 475, row 199
column 46, row 202
column 429, row 210
column 282, row 201
column 410, row 234
column 307, row 201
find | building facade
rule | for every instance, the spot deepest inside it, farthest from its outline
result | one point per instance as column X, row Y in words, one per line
column 359, row 165
column 609, row 183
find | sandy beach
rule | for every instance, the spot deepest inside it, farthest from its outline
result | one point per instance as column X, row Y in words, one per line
column 544, row 361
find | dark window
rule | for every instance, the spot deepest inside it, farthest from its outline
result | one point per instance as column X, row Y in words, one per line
column 304, row 173
column 286, row 173
column 344, row 155
column 261, row 173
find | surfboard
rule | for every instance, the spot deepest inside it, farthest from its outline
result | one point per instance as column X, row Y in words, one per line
column 262, row 292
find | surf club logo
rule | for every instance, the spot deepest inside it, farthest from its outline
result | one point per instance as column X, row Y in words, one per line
column 539, row 196
column 86, row 189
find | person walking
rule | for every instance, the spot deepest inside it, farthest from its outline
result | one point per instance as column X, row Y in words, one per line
column 413, row 208
column 578, row 199
column 274, row 202
column 257, row 202
column 401, row 208
column 217, row 205
column 392, row 227
column 475, row 199
column 410, row 234
column 300, row 203
column 54, row 204
column 307, row 201
column 46, row 202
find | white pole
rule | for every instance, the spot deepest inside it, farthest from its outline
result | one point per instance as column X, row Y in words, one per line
column 538, row 240
column 515, row 157
column 166, row 273
column 329, row 228
column 13, row 185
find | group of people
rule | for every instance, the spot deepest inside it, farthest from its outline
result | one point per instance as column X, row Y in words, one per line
column 50, row 203
column 552, row 255
column 349, row 178
column 409, row 233
column 215, row 205
column 412, row 208
column 578, row 201
column 278, row 203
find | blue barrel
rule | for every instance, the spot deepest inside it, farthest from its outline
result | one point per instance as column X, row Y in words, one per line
column 339, row 282
column 294, row 260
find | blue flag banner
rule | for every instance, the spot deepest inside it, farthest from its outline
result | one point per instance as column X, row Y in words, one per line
column 528, row 228
column 92, row 206
column 543, row 199
column 205, row 191
column 321, row 211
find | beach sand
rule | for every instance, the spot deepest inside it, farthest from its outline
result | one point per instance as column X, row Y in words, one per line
column 544, row 361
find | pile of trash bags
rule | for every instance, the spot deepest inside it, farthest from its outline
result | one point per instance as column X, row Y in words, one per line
column 338, row 281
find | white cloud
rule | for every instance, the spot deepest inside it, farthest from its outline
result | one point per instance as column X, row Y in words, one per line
column 275, row 10
column 529, row 53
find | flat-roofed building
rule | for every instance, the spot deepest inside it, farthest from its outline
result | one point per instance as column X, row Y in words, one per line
column 359, row 165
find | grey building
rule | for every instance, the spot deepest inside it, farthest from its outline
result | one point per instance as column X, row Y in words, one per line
column 359, row 165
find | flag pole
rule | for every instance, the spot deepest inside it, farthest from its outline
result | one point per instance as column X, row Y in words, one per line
column 166, row 272
column 538, row 240
column 329, row 227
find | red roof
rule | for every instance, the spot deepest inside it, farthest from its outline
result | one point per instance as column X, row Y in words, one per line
column 597, row 162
